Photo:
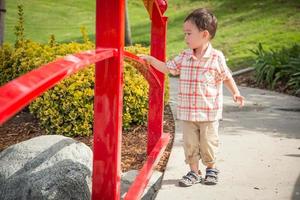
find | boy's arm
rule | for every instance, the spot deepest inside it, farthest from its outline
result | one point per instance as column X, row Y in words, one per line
column 157, row 64
column 232, row 87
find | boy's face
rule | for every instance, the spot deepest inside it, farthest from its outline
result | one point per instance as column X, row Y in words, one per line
column 193, row 37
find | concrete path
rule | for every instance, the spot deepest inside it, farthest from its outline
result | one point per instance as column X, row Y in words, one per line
column 259, row 156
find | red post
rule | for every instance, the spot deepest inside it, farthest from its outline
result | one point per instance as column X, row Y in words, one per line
column 156, row 94
column 108, row 101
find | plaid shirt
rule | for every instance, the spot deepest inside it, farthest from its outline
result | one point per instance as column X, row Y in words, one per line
column 200, row 95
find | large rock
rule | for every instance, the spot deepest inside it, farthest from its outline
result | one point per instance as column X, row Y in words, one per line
column 46, row 167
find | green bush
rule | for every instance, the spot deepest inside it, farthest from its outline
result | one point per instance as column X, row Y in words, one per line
column 68, row 108
column 278, row 65
column 5, row 63
column 30, row 55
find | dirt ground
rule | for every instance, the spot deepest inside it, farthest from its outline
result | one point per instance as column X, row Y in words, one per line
column 24, row 126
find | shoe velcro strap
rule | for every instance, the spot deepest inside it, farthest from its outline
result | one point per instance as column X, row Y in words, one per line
column 212, row 172
column 193, row 174
column 211, row 175
column 188, row 178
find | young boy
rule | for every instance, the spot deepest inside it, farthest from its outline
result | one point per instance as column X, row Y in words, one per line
column 202, row 71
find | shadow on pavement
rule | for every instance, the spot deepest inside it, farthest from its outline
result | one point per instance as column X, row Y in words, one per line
column 296, row 192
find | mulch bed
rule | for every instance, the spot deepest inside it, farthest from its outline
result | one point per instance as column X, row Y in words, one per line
column 24, row 126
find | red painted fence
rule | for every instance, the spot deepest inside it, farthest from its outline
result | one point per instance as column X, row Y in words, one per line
column 108, row 56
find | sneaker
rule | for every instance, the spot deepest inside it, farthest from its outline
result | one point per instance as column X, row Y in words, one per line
column 190, row 179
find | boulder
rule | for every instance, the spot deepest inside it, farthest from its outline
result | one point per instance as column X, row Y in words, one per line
column 46, row 167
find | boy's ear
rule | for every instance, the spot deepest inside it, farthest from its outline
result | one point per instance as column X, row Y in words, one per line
column 206, row 34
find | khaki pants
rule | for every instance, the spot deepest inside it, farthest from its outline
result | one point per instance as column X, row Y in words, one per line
column 200, row 141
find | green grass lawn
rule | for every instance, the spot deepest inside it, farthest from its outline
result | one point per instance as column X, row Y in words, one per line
column 242, row 24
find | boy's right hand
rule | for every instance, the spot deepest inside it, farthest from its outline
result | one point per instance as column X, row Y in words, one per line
column 154, row 62
column 146, row 58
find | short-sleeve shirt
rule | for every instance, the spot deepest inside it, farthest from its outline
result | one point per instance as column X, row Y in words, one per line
column 200, row 96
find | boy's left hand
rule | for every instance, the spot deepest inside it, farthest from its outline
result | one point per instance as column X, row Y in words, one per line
column 239, row 99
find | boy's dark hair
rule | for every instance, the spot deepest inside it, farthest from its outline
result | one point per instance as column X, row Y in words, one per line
column 204, row 20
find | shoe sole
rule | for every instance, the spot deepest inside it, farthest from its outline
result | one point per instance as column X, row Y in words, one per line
column 182, row 184
column 210, row 183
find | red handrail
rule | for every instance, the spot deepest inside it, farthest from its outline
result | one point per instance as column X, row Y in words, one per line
column 19, row 92
column 144, row 69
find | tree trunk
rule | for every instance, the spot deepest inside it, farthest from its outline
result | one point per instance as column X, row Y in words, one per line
column 2, row 15
column 128, row 41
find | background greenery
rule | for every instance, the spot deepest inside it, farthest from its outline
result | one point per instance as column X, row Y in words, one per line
column 242, row 24
column 281, row 66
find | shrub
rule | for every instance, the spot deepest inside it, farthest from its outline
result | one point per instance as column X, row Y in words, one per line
column 20, row 60
column 68, row 108
column 5, row 63
column 278, row 65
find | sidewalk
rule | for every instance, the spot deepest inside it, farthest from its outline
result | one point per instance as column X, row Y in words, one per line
column 259, row 154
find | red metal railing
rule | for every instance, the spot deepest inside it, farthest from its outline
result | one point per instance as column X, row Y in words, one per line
column 148, row 73
column 20, row 92
column 108, row 56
